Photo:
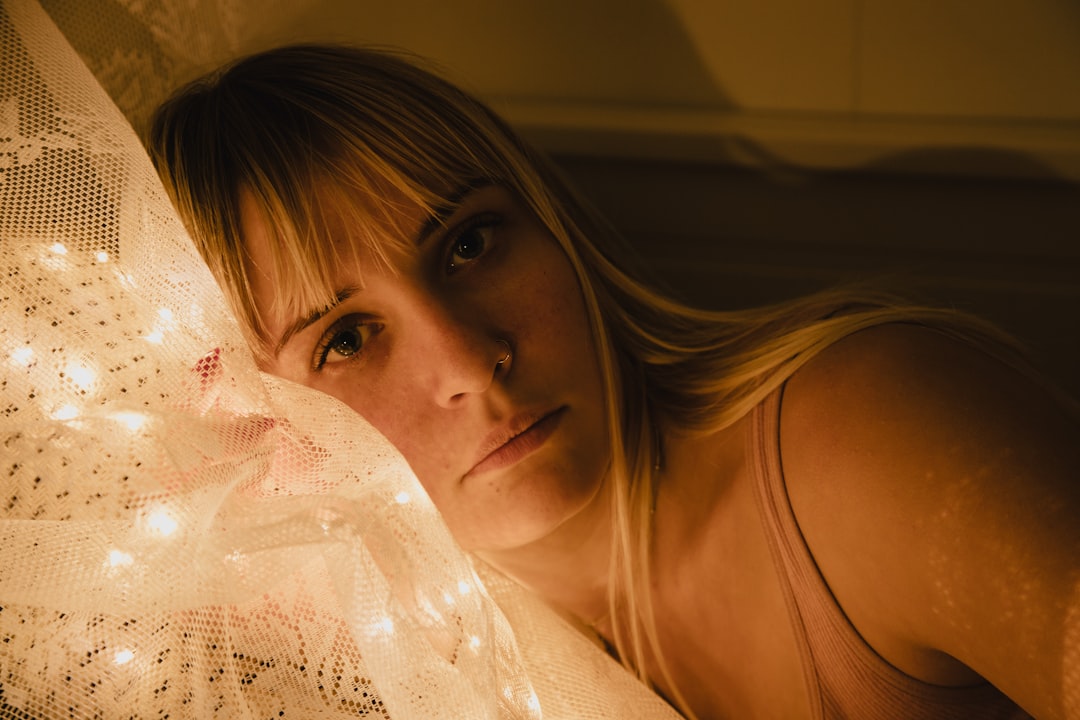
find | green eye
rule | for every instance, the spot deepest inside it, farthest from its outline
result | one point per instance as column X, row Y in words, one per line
column 344, row 339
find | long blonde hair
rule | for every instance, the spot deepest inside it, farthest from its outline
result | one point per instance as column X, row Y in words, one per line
column 368, row 121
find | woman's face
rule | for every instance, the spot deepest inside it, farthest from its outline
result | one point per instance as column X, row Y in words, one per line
column 508, row 452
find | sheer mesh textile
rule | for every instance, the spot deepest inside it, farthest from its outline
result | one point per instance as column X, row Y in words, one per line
column 180, row 535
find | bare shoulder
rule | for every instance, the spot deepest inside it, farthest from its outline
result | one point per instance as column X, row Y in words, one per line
column 939, row 491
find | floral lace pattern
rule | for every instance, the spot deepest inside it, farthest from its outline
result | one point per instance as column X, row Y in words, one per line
column 180, row 535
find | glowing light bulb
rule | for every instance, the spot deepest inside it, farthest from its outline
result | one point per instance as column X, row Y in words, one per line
column 66, row 412
column 123, row 657
column 82, row 376
column 534, row 702
column 102, row 256
column 385, row 625
column 119, row 558
column 165, row 314
column 155, row 336
column 132, row 420
column 22, row 356
column 402, row 497
column 162, row 522
column 463, row 587
column 474, row 642
column 59, row 248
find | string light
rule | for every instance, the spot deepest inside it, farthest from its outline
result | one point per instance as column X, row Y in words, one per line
column 119, row 558
column 384, row 626
column 157, row 335
column 81, row 375
column 162, row 522
column 65, row 412
column 22, row 356
column 132, row 420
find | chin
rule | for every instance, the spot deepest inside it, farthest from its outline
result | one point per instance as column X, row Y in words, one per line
column 524, row 519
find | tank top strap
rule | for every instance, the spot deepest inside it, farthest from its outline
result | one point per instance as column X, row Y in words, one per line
column 764, row 460
column 845, row 676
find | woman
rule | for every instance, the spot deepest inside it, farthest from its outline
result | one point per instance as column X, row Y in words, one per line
column 840, row 507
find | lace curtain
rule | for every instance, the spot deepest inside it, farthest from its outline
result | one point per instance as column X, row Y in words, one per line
column 180, row 535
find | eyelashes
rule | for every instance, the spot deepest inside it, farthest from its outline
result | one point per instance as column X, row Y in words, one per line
column 471, row 240
column 347, row 338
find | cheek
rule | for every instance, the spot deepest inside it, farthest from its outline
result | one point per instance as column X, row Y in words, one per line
column 392, row 409
column 555, row 311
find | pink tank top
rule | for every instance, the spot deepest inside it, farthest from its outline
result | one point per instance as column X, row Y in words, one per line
column 846, row 678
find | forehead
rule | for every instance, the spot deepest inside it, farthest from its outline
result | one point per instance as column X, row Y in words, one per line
column 334, row 218
column 294, row 266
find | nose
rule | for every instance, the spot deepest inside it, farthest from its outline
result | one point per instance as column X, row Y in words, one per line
column 459, row 353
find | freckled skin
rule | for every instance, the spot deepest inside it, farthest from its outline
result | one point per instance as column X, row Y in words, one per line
column 956, row 479
column 427, row 377
column 891, row 443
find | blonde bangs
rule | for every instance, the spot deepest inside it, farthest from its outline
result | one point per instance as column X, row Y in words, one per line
column 321, row 137
column 356, row 207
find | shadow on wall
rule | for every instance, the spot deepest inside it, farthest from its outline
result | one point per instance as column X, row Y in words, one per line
column 1004, row 244
column 633, row 52
column 717, row 217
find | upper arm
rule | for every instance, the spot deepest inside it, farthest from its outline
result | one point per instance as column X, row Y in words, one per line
column 939, row 492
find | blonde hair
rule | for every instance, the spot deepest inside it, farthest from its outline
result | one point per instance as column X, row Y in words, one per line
column 369, row 121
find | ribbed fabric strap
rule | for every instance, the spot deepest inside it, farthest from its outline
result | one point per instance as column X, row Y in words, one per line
column 846, row 678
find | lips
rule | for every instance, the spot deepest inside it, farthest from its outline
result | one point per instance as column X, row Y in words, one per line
column 512, row 442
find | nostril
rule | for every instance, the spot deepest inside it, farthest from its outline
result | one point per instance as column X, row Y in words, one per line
column 467, row 366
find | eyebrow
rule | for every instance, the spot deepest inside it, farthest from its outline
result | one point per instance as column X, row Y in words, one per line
column 313, row 317
column 443, row 212
column 435, row 220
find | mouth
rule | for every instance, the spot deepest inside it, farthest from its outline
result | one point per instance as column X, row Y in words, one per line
column 512, row 443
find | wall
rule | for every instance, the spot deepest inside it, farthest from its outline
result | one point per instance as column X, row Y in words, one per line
column 755, row 149
column 822, row 84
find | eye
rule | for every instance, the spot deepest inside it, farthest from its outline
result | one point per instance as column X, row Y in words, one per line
column 471, row 241
column 344, row 339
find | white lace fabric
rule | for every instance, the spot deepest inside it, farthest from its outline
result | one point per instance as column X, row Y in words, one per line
column 180, row 535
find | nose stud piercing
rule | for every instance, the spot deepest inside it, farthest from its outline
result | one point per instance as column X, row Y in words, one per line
column 506, row 356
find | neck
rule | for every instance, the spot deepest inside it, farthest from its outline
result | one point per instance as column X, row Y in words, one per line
column 569, row 567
